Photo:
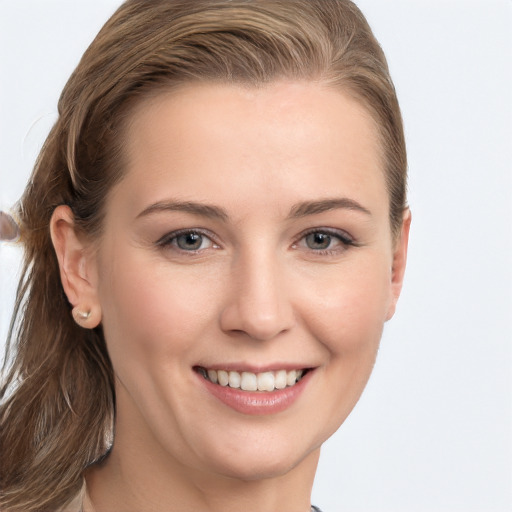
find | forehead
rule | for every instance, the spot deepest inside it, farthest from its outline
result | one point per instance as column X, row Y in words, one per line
column 283, row 138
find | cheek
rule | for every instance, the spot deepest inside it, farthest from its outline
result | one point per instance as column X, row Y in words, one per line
column 348, row 320
column 349, row 310
column 153, row 309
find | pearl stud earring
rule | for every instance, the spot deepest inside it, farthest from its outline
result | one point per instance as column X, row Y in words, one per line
column 81, row 316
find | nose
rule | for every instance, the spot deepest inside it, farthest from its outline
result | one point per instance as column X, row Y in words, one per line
column 258, row 304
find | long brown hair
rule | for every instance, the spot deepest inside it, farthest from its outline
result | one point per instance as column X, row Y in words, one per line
column 57, row 396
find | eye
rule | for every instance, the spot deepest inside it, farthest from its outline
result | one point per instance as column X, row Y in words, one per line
column 190, row 241
column 318, row 240
column 325, row 241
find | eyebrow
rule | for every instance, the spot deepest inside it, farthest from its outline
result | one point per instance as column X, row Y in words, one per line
column 298, row 210
column 314, row 207
column 201, row 209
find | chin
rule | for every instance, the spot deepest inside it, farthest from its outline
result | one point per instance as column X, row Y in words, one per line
column 265, row 463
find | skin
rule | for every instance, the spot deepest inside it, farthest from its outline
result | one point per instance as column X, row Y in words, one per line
column 257, row 292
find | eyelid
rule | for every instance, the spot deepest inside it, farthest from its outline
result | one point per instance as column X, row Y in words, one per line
column 345, row 239
column 343, row 236
column 338, row 233
column 168, row 237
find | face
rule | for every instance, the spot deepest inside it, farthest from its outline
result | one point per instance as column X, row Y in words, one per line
column 244, row 275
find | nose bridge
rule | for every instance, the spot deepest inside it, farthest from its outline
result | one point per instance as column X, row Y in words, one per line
column 259, row 304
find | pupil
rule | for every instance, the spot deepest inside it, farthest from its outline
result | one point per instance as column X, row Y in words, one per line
column 318, row 241
column 189, row 241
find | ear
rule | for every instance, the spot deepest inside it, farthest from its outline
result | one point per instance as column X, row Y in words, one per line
column 77, row 265
column 399, row 262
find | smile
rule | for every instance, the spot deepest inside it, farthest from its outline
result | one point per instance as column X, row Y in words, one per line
column 248, row 381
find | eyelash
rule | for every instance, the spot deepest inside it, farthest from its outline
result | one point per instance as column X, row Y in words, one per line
column 170, row 240
column 344, row 238
column 346, row 241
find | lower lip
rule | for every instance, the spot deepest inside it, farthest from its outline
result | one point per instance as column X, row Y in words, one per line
column 257, row 402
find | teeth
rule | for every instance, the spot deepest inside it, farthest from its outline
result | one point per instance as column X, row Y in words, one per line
column 266, row 381
column 247, row 381
column 291, row 378
column 280, row 380
column 234, row 380
column 223, row 377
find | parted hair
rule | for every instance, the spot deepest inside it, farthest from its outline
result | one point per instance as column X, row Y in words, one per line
column 57, row 396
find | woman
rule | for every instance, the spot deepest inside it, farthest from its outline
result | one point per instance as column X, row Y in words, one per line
column 215, row 233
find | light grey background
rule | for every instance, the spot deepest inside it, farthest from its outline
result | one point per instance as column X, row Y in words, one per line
column 433, row 431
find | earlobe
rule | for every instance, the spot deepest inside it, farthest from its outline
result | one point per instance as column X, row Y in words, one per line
column 399, row 262
column 75, row 264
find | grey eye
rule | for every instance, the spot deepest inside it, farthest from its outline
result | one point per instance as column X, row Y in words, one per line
column 186, row 240
column 190, row 241
column 318, row 240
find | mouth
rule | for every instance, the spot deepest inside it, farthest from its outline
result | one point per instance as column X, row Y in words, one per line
column 247, row 381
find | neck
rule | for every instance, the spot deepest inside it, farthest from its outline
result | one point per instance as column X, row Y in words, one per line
column 141, row 474
column 119, row 485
